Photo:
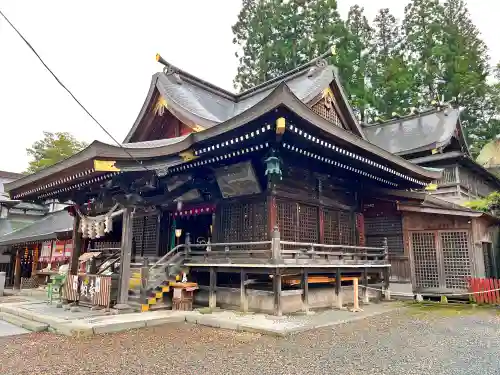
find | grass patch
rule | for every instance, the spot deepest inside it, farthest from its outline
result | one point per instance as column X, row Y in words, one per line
column 205, row 310
column 448, row 309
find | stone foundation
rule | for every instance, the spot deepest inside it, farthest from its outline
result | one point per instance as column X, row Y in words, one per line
column 291, row 300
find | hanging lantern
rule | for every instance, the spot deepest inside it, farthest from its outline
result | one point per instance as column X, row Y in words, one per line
column 273, row 168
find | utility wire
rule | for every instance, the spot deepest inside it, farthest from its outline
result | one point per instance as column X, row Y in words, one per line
column 70, row 93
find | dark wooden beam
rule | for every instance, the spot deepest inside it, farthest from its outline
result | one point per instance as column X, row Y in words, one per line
column 212, row 298
column 77, row 245
column 17, row 270
column 125, row 258
column 277, row 293
column 243, row 291
column 305, row 290
column 338, row 288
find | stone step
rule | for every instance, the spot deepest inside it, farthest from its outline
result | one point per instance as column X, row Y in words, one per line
column 30, row 325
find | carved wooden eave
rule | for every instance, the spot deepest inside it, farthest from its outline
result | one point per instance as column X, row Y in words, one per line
column 281, row 99
column 201, row 105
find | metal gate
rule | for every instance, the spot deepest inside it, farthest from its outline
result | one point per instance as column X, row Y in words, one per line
column 441, row 259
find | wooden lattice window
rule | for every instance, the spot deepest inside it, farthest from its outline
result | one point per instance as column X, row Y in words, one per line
column 298, row 222
column 287, row 220
column 327, row 112
column 456, row 259
column 240, row 222
column 425, row 259
column 331, row 227
column 339, row 227
column 144, row 235
column 380, row 227
column 308, row 223
column 347, row 228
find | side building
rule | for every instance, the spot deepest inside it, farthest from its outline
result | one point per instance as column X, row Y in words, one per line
column 439, row 247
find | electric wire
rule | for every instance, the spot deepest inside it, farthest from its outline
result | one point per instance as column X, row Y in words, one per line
column 69, row 91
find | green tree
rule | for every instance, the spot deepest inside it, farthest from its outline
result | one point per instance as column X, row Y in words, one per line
column 487, row 124
column 422, row 33
column 391, row 79
column 53, row 148
column 450, row 61
column 353, row 55
column 276, row 36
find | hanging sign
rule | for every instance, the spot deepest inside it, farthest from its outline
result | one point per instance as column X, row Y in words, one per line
column 105, row 166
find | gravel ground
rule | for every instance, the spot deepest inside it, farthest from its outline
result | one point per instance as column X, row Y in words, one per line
column 403, row 342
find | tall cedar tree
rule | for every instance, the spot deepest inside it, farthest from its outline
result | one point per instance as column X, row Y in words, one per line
column 450, row 60
column 353, row 59
column 437, row 53
column 391, row 79
column 423, row 36
column 276, row 36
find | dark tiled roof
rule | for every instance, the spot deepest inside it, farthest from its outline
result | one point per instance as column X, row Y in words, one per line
column 208, row 108
column 198, row 103
column 41, row 230
column 10, row 225
column 10, row 175
column 426, row 131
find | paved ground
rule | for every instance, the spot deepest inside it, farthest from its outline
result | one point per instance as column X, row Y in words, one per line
column 402, row 342
column 7, row 329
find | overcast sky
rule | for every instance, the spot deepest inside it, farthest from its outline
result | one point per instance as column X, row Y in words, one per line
column 104, row 51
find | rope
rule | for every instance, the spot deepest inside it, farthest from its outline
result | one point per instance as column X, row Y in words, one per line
column 448, row 295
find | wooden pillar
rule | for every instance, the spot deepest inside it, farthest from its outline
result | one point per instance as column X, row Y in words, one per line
column 77, row 245
column 386, row 272
column 144, row 281
column 366, row 299
column 276, row 245
column 355, row 293
column 243, row 291
column 321, row 216
column 277, row 292
column 34, row 264
column 338, row 288
column 272, row 212
column 17, row 270
column 305, row 290
column 125, row 258
column 212, row 294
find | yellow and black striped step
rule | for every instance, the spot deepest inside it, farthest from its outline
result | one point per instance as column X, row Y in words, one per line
column 155, row 296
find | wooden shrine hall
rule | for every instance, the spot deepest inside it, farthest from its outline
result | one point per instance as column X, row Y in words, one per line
column 257, row 197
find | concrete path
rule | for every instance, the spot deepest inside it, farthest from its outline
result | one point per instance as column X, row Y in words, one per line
column 286, row 325
column 7, row 329
column 37, row 315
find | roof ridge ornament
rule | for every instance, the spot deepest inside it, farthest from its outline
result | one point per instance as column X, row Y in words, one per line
column 318, row 66
column 169, row 69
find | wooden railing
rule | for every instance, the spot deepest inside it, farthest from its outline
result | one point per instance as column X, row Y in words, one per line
column 273, row 251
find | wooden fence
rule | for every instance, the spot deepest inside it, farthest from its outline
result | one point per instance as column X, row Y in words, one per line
column 485, row 290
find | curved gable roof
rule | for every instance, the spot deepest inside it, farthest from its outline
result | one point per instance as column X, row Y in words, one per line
column 199, row 103
column 416, row 133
